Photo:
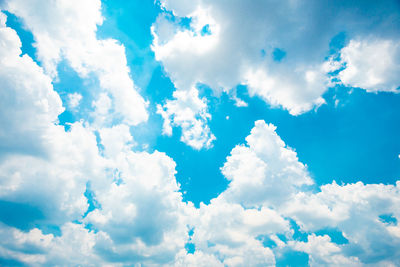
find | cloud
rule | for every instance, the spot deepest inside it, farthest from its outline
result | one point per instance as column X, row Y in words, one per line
column 67, row 30
column 323, row 252
column 73, row 100
column 189, row 112
column 372, row 64
column 244, row 37
column 356, row 210
column 135, row 192
column 142, row 214
column 275, row 50
column 198, row 258
column 264, row 170
column 35, row 150
column 115, row 140
column 25, row 90
column 270, row 191
column 230, row 231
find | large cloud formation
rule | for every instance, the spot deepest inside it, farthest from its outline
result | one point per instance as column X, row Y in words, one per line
column 281, row 50
column 84, row 197
column 66, row 30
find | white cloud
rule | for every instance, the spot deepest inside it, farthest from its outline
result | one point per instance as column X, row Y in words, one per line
column 35, row 150
column 242, row 40
column 198, row 258
column 298, row 91
column 268, row 186
column 27, row 96
column 324, row 253
column 372, row 64
column 67, row 30
column 354, row 209
column 136, row 192
column 34, row 248
column 142, row 213
column 263, row 174
column 230, row 232
column 265, row 170
column 189, row 112
column 116, row 139
column 73, row 100
column 19, row 246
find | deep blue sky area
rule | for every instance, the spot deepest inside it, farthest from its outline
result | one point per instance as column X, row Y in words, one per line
column 354, row 140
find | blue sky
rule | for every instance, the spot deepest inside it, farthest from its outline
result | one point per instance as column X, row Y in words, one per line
column 200, row 133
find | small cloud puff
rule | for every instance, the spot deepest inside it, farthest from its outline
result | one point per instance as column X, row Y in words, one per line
column 73, row 100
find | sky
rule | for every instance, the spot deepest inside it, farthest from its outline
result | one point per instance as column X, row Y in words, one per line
column 199, row 133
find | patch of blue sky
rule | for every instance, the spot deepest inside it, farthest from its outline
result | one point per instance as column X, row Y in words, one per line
column 388, row 219
column 335, row 235
column 185, row 23
column 25, row 217
column 11, row 262
column 298, row 234
column 25, row 35
column 205, row 30
column 337, row 43
column 278, row 54
column 359, row 131
column 49, row 229
column 266, row 241
column 20, row 215
column 159, row 89
column 70, row 82
column 190, row 248
column 292, row 258
column 91, row 200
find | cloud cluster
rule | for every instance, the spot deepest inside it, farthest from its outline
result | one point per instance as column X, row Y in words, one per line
column 278, row 49
column 77, row 199
column 373, row 65
column 188, row 111
column 270, row 190
column 66, row 30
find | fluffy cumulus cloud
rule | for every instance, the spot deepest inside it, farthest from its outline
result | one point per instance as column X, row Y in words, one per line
column 372, row 64
column 87, row 196
column 270, row 191
column 78, row 199
column 25, row 90
column 237, row 42
column 67, row 30
column 323, row 252
column 73, row 100
column 188, row 111
column 264, row 170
